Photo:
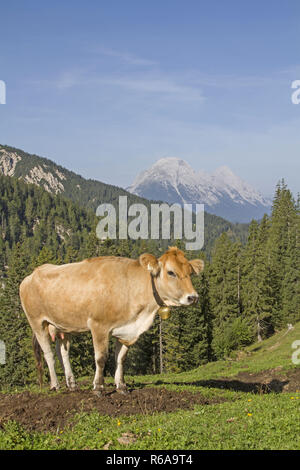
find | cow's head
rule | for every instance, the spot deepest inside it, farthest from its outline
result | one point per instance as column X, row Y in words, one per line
column 172, row 273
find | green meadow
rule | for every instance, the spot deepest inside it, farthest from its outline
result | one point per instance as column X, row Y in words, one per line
column 258, row 418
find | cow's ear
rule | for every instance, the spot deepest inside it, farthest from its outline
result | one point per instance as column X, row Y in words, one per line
column 197, row 265
column 150, row 263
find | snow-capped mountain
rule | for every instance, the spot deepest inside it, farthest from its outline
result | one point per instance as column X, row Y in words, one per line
column 223, row 193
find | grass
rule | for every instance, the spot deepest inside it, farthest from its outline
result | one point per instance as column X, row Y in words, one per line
column 244, row 421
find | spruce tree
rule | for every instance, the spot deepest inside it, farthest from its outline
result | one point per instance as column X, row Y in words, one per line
column 257, row 293
column 281, row 244
column 14, row 327
column 225, row 296
column 291, row 281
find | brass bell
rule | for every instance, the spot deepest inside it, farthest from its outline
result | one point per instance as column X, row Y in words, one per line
column 164, row 312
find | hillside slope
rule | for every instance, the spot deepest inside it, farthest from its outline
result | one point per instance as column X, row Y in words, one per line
column 58, row 180
column 261, row 363
column 33, row 217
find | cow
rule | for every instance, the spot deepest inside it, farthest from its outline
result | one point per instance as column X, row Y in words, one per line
column 106, row 295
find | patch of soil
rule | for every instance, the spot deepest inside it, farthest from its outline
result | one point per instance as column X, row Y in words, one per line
column 267, row 381
column 44, row 412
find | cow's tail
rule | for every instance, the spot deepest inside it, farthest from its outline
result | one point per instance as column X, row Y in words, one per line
column 39, row 359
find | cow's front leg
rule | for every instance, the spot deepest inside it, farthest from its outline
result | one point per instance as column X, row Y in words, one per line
column 120, row 355
column 100, row 342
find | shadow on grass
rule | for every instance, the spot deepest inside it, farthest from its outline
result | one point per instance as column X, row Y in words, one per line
column 274, row 386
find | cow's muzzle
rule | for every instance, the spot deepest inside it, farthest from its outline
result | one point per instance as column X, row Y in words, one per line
column 190, row 299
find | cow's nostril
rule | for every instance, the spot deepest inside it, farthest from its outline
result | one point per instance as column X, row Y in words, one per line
column 192, row 298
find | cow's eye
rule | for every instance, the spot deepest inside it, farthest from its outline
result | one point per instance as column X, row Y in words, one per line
column 170, row 273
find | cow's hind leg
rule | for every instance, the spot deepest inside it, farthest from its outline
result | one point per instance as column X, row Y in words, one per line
column 62, row 350
column 43, row 339
column 100, row 342
column 120, row 355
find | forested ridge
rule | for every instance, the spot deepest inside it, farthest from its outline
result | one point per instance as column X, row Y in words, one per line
column 89, row 193
column 247, row 290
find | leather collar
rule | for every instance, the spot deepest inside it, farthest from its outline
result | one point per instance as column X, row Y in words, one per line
column 156, row 295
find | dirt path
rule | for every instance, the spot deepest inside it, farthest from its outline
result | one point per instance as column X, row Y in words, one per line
column 46, row 412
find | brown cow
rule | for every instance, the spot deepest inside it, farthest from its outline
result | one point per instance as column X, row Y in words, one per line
column 106, row 295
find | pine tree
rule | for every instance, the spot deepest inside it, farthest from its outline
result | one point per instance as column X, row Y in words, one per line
column 280, row 243
column 198, row 331
column 257, row 293
column 173, row 340
column 224, row 280
column 291, row 282
column 224, row 295
column 45, row 256
column 71, row 255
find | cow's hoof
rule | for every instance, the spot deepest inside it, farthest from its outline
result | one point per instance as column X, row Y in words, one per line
column 122, row 390
column 54, row 389
column 99, row 393
column 72, row 385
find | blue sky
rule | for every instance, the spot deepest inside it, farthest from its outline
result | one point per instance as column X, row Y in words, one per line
column 107, row 88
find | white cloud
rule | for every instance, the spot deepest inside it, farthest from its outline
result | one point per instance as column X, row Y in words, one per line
column 158, row 85
column 69, row 80
column 124, row 56
column 165, row 86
